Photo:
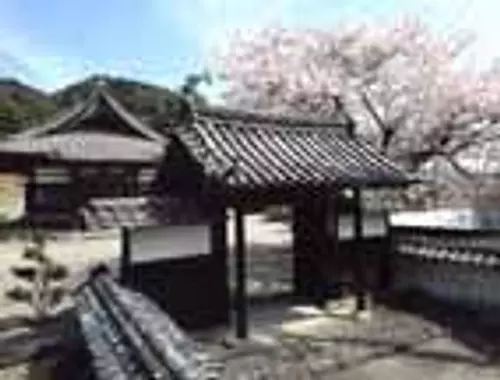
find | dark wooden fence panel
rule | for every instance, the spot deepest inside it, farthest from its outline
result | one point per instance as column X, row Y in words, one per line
column 192, row 290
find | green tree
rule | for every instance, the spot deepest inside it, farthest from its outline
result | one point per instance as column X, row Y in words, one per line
column 191, row 86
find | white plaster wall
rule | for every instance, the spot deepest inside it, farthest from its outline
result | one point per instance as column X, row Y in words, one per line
column 153, row 243
column 461, row 283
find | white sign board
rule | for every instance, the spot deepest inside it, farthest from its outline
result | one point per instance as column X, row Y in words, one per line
column 12, row 196
column 168, row 242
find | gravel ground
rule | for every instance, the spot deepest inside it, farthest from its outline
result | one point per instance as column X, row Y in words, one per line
column 391, row 345
column 17, row 372
column 77, row 253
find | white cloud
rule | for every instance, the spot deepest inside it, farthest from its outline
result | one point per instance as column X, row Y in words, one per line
column 204, row 24
column 207, row 22
column 34, row 64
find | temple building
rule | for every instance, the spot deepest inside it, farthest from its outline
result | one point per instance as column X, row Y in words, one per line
column 98, row 166
column 95, row 149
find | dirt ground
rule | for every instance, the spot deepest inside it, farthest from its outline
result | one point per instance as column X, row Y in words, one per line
column 364, row 353
column 18, row 340
column 74, row 251
column 440, row 359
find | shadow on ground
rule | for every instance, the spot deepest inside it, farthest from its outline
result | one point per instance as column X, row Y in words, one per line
column 477, row 329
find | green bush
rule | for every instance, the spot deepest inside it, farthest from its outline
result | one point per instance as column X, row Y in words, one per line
column 42, row 274
column 19, row 294
column 33, row 253
column 57, row 272
column 26, row 273
column 57, row 295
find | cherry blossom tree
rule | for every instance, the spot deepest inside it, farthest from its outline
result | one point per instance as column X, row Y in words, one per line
column 402, row 84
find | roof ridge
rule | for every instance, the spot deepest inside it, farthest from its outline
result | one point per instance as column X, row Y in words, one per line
column 131, row 119
column 262, row 117
column 57, row 118
column 322, row 158
column 81, row 108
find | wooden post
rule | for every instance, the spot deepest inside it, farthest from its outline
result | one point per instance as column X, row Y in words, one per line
column 334, row 266
column 322, row 257
column 76, row 197
column 303, row 268
column 29, row 196
column 241, row 291
column 220, row 252
column 386, row 258
column 125, row 256
column 358, row 252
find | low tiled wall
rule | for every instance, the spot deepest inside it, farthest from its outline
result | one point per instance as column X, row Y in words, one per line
column 461, row 266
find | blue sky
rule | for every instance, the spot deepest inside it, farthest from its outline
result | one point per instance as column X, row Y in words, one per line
column 50, row 43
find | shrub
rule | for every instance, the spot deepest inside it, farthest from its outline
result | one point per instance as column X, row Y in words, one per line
column 43, row 275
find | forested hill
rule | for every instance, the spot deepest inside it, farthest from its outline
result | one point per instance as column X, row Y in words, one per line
column 22, row 106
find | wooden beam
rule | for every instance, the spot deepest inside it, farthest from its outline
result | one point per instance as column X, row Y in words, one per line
column 358, row 250
column 29, row 196
column 303, row 269
column 219, row 250
column 125, row 255
column 75, row 195
column 241, row 277
column 321, row 253
column 385, row 273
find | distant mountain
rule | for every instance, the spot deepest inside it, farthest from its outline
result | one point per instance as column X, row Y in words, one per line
column 22, row 106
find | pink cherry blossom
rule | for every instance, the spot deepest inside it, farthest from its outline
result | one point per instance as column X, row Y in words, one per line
column 403, row 84
column 407, row 74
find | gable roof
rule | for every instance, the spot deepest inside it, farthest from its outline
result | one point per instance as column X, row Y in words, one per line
column 99, row 102
column 244, row 150
column 77, row 134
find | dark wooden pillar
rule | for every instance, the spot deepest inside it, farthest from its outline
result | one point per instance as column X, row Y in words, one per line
column 221, row 301
column 323, row 255
column 303, row 268
column 29, row 197
column 132, row 181
column 312, row 253
column 358, row 264
column 334, row 263
column 241, row 305
column 125, row 256
column 76, row 196
column 385, row 274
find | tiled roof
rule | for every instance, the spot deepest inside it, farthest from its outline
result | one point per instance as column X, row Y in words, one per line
column 258, row 151
column 459, row 250
column 96, row 129
column 87, row 146
column 98, row 102
column 129, row 337
column 140, row 211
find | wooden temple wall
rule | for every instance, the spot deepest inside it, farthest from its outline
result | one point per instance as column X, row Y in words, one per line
column 55, row 192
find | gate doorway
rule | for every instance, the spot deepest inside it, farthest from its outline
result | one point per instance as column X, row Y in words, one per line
column 269, row 253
